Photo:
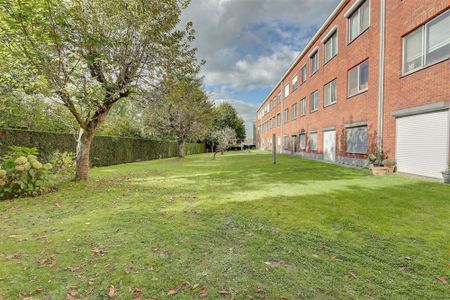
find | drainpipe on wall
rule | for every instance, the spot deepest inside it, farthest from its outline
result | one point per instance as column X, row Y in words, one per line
column 381, row 80
column 282, row 118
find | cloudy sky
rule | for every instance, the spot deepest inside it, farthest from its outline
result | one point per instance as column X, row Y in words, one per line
column 249, row 44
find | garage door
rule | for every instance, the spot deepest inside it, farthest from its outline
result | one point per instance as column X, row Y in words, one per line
column 422, row 144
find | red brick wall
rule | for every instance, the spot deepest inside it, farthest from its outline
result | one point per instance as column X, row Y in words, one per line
column 431, row 84
column 428, row 85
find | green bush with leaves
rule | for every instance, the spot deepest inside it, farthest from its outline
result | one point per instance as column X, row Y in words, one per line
column 63, row 165
column 22, row 174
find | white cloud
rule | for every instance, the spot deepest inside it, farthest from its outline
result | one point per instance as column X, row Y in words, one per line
column 236, row 37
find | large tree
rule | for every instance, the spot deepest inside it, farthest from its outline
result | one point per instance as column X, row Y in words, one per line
column 225, row 116
column 93, row 53
column 183, row 111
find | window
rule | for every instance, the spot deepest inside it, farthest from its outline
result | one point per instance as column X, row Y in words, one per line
column 313, row 141
column 314, row 62
column 278, row 141
column 294, row 83
column 357, row 139
column 285, row 142
column 358, row 78
column 286, row 90
column 294, row 111
column 303, row 107
column 286, row 115
column 329, row 93
column 331, row 47
column 303, row 141
column 359, row 21
column 314, row 101
column 279, row 98
column 427, row 44
column 278, row 119
column 303, row 74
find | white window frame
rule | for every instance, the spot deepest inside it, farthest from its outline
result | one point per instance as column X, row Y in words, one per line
column 302, row 80
column 316, row 134
column 286, row 90
column 367, row 139
column 357, row 79
column 303, row 107
column 328, row 38
column 294, row 111
column 294, row 83
column 285, row 142
column 325, row 104
column 303, row 134
column 314, row 53
column 278, row 119
column 286, row 115
column 356, row 8
column 424, row 28
column 314, row 107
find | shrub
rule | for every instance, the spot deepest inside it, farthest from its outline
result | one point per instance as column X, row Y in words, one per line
column 63, row 165
column 22, row 174
column 389, row 162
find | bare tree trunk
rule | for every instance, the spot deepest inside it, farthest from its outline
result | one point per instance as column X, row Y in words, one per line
column 83, row 152
column 214, row 156
column 181, row 146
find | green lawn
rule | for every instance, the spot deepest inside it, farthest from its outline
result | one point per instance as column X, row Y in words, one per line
column 298, row 229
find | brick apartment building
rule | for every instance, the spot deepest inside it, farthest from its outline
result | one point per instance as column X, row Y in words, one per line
column 375, row 77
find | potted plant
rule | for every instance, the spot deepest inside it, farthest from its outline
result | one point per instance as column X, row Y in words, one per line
column 390, row 164
column 374, row 163
column 446, row 175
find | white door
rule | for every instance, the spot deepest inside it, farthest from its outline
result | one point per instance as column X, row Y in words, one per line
column 422, row 144
column 329, row 145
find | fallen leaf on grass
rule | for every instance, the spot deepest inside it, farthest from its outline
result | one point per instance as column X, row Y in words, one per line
column 442, row 279
column 137, row 294
column 12, row 256
column 56, row 204
column 402, row 268
column 176, row 290
column 99, row 250
column 73, row 295
column 203, row 293
column 373, row 237
column 351, row 274
column 275, row 262
column 284, row 298
column 47, row 261
column 224, row 293
column 315, row 256
column 112, row 291
column 195, row 286
column 333, row 257
column 72, row 268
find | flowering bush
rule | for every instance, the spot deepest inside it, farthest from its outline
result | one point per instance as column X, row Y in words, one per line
column 22, row 174
column 63, row 164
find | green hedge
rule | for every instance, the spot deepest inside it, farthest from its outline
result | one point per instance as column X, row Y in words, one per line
column 105, row 151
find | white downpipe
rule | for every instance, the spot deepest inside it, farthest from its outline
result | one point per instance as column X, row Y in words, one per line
column 381, row 77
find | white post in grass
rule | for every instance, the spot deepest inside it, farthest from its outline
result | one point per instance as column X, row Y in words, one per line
column 274, row 148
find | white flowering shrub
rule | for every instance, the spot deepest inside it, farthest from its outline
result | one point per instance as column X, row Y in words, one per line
column 22, row 174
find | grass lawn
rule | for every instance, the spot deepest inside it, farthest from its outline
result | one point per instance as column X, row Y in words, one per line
column 239, row 225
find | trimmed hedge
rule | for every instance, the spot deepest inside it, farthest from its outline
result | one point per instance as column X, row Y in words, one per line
column 105, row 150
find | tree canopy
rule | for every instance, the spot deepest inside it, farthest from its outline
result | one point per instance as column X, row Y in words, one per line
column 89, row 54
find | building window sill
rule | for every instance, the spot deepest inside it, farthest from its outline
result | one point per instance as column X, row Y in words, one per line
column 423, row 68
column 331, row 59
column 358, row 93
column 331, row 104
column 358, row 36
